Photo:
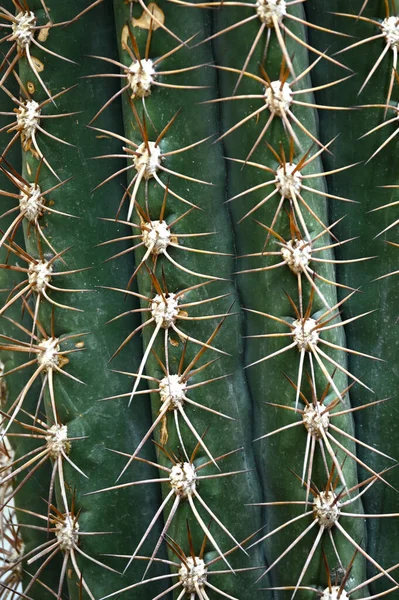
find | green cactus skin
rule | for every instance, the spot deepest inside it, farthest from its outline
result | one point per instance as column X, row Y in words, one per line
column 270, row 464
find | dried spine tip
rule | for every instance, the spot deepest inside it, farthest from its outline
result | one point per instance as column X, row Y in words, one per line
column 48, row 356
column 297, row 254
column 278, row 97
column 67, row 532
column 305, row 333
column 316, row 422
column 270, row 10
column 335, row 593
column 39, row 275
column 23, row 29
column 147, row 157
column 140, row 77
column 390, row 29
column 57, row 440
column 325, row 509
column 183, row 479
column 289, row 179
column 172, row 391
column 164, row 309
column 31, row 202
column 156, row 235
column 193, row 574
column 28, row 119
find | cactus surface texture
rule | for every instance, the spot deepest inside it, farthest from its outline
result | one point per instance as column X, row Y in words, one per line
column 199, row 356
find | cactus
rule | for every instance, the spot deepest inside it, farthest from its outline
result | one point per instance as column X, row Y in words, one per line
column 196, row 371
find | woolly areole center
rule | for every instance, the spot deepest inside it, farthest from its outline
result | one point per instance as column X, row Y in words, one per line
column 183, row 479
column 140, row 77
column 297, row 254
column 305, row 334
column 30, row 202
column 270, row 11
column 148, row 159
column 48, row 356
column 39, row 275
column 278, row 97
column 390, row 29
column 164, row 309
column 314, row 421
column 289, row 180
column 57, row 440
column 172, row 391
column 333, row 595
column 156, row 235
column 67, row 533
column 326, row 510
column 23, row 29
column 28, row 118
column 193, row 574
